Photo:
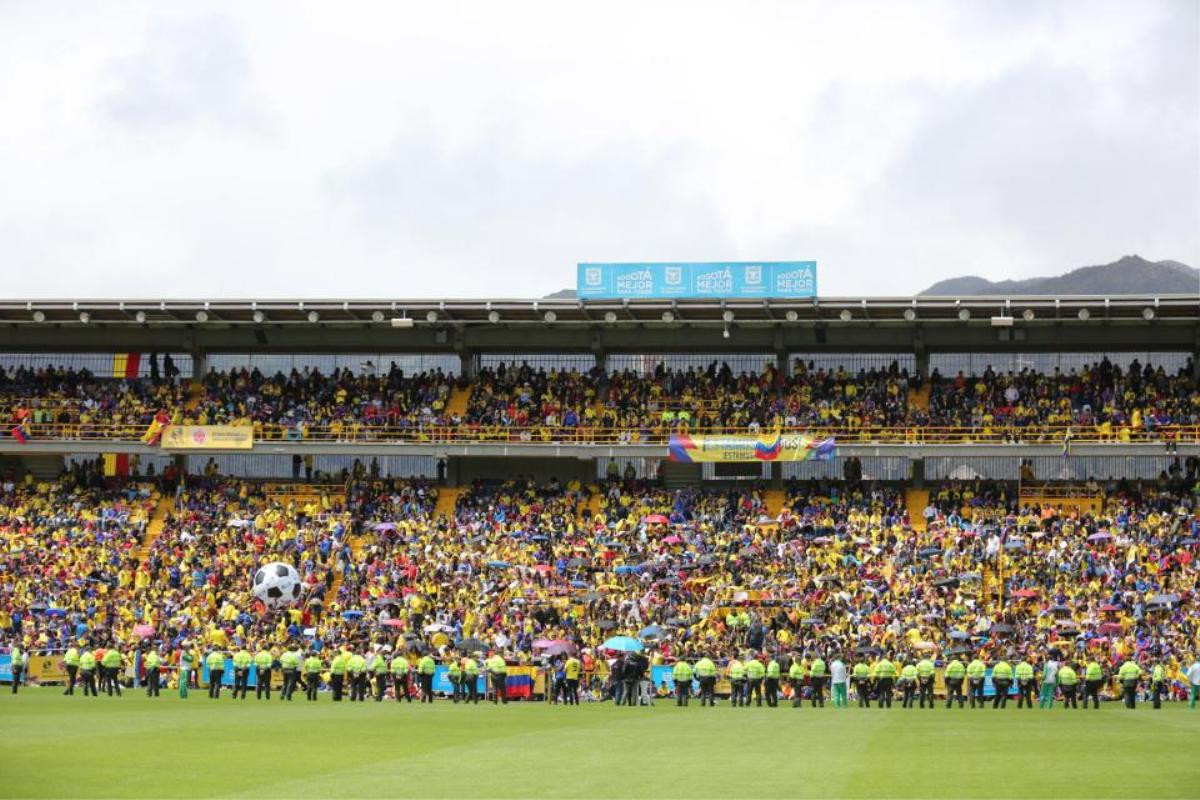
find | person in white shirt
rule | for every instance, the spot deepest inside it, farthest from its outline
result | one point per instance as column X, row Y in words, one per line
column 1193, row 676
column 839, row 678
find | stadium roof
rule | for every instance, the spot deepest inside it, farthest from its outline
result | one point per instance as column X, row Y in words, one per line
column 550, row 324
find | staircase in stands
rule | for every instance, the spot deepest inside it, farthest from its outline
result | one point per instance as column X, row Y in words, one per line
column 774, row 500
column 915, row 501
column 158, row 521
column 460, row 397
column 919, row 398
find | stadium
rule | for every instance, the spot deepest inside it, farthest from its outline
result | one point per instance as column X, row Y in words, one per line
column 462, row 481
column 625, row 400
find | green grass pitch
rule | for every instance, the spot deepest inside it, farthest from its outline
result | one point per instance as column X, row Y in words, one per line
column 55, row 746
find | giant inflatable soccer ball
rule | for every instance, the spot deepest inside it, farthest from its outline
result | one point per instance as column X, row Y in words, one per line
column 277, row 585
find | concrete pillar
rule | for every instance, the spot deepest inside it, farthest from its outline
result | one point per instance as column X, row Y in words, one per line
column 776, row 475
column 917, row 473
column 467, row 364
column 922, row 357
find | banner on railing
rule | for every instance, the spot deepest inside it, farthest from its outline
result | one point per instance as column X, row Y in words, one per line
column 696, row 449
column 208, row 437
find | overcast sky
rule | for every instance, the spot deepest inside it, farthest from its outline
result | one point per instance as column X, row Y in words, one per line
column 482, row 149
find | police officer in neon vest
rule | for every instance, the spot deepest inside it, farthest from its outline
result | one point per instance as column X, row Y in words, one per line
column 816, row 680
column 289, row 663
column 772, row 682
column 755, row 672
column 1024, row 684
column 400, row 669
column 17, row 665
column 263, row 661
column 152, row 663
column 681, row 673
column 112, row 668
column 1068, row 681
column 1157, row 679
column 337, row 675
column 1129, row 675
column 241, row 672
column 925, row 671
column 454, row 673
column 87, row 671
column 956, row 671
column 379, row 666
column 498, row 676
column 976, row 671
column 908, row 685
column 885, row 678
column 425, row 669
column 1093, row 679
column 356, row 670
column 860, row 676
column 1002, row 675
column 216, row 673
column 706, row 673
column 737, row 682
column 471, row 675
column 312, row 675
column 796, row 675
column 71, row 662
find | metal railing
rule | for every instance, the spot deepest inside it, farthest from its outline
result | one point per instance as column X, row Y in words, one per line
column 356, row 432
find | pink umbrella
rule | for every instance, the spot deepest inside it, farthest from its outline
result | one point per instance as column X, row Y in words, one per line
column 143, row 631
column 655, row 519
column 392, row 623
column 672, row 539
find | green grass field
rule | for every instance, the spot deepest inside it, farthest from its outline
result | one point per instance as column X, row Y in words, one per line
column 55, row 746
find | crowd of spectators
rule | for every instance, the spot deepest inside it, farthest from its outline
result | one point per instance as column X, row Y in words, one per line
column 524, row 402
column 520, row 566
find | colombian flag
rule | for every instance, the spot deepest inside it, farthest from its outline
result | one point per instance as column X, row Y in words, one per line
column 519, row 683
column 20, row 434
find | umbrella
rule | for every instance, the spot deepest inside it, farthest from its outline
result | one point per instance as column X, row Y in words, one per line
column 437, row 627
column 946, row 583
column 576, row 563
column 392, row 623
column 929, row 552
column 580, row 584
column 606, row 624
column 968, row 577
column 677, row 622
column 960, row 635
column 39, row 606
column 626, row 569
column 1164, row 599
column 1109, row 608
column 1060, row 609
column 958, row 651
column 56, row 612
column 1188, row 542
column 1102, row 536
column 1025, row 594
column 672, row 539
column 650, row 632
column 1014, row 544
column 387, row 601
column 472, row 646
column 655, row 519
column 1001, row 628
column 624, row 644
column 811, row 621
column 384, row 526
column 352, row 614
column 563, row 648
column 1070, row 633
column 866, row 650
column 499, row 564
column 1112, row 628
column 592, row 597
column 143, row 630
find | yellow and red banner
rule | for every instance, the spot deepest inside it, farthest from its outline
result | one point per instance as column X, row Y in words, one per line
column 126, row 365
column 698, row 449
column 208, row 437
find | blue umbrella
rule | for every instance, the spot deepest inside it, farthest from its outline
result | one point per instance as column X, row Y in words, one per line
column 628, row 568
column 499, row 564
column 624, row 644
column 959, row 635
column 652, row 632
column 352, row 614
column 56, row 612
column 580, row 584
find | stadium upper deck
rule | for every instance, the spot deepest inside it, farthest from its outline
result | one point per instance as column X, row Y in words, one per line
column 470, row 331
